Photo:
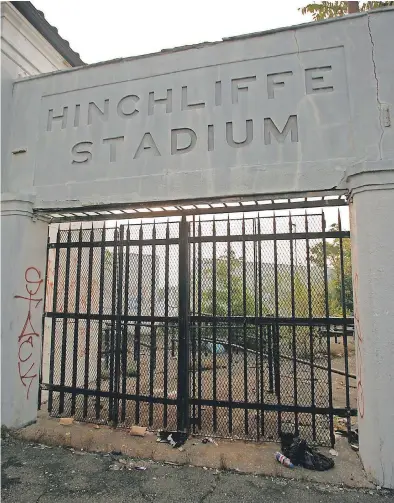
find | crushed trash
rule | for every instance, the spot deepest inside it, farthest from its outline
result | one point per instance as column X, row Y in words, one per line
column 66, row 421
column 209, row 440
column 280, row 458
column 175, row 438
column 141, row 468
column 116, row 467
column 333, row 452
column 138, row 431
column 96, row 426
column 352, row 436
column 301, row 454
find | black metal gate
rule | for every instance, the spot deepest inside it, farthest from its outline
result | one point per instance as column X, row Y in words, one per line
column 217, row 325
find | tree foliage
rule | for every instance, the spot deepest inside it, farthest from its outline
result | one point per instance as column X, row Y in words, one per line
column 325, row 10
column 341, row 270
column 237, row 304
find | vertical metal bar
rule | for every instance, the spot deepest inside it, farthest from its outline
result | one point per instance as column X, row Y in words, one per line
column 214, row 331
column 183, row 346
column 269, row 332
column 106, row 345
column 88, row 313
column 118, row 333
column 310, row 315
column 43, row 325
column 256, row 328
column 76, row 322
column 260, row 312
column 344, row 316
column 53, row 327
column 65, row 322
column 100, row 324
column 193, row 328
column 276, row 330
column 199, row 304
column 244, row 306
column 166, row 287
column 125, row 342
column 229, row 330
column 138, row 326
column 331, row 413
column 293, row 315
column 112, row 327
column 153, row 328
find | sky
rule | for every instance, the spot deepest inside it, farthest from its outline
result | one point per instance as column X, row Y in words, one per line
column 101, row 30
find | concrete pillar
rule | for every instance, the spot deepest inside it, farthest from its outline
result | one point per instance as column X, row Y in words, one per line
column 23, row 260
column 372, row 235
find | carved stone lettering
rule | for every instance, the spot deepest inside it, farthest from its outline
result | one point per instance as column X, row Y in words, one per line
column 230, row 135
column 81, row 155
column 61, row 117
column 127, row 106
column 314, row 80
column 270, row 129
column 239, row 85
column 191, row 140
column 276, row 80
column 185, row 105
column 113, row 142
column 152, row 101
column 93, row 109
column 147, row 144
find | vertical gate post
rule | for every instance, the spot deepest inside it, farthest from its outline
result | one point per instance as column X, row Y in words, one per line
column 183, row 345
column 372, row 241
column 23, row 258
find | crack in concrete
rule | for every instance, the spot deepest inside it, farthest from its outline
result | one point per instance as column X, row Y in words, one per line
column 298, row 47
column 211, row 490
column 377, row 85
column 40, row 496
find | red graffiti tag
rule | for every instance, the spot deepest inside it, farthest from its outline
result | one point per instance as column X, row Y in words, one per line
column 26, row 364
column 359, row 349
column 357, row 324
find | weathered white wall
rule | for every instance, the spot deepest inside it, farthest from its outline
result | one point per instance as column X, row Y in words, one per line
column 24, row 52
column 329, row 75
column 338, row 96
column 23, row 257
column 372, row 210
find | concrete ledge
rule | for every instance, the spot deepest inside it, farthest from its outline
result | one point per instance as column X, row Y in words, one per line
column 245, row 457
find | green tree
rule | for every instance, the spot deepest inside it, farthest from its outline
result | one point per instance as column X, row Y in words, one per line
column 236, row 289
column 324, row 10
column 333, row 256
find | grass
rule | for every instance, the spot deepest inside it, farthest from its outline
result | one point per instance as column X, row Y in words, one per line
column 130, row 372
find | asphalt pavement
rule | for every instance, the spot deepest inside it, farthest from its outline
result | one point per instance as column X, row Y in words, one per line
column 34, row 473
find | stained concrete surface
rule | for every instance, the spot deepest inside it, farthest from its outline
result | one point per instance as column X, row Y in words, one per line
column 38, row 473
column 256, row 458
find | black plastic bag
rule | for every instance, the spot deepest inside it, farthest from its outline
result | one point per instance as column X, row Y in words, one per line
column 301, row 454
column 174, row 438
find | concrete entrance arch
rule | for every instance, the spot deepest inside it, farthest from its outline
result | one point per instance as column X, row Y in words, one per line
column 301, row 110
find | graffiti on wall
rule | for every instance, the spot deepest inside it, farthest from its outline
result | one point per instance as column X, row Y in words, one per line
column 359, row 349
column 27, row 360
column 357, row 323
